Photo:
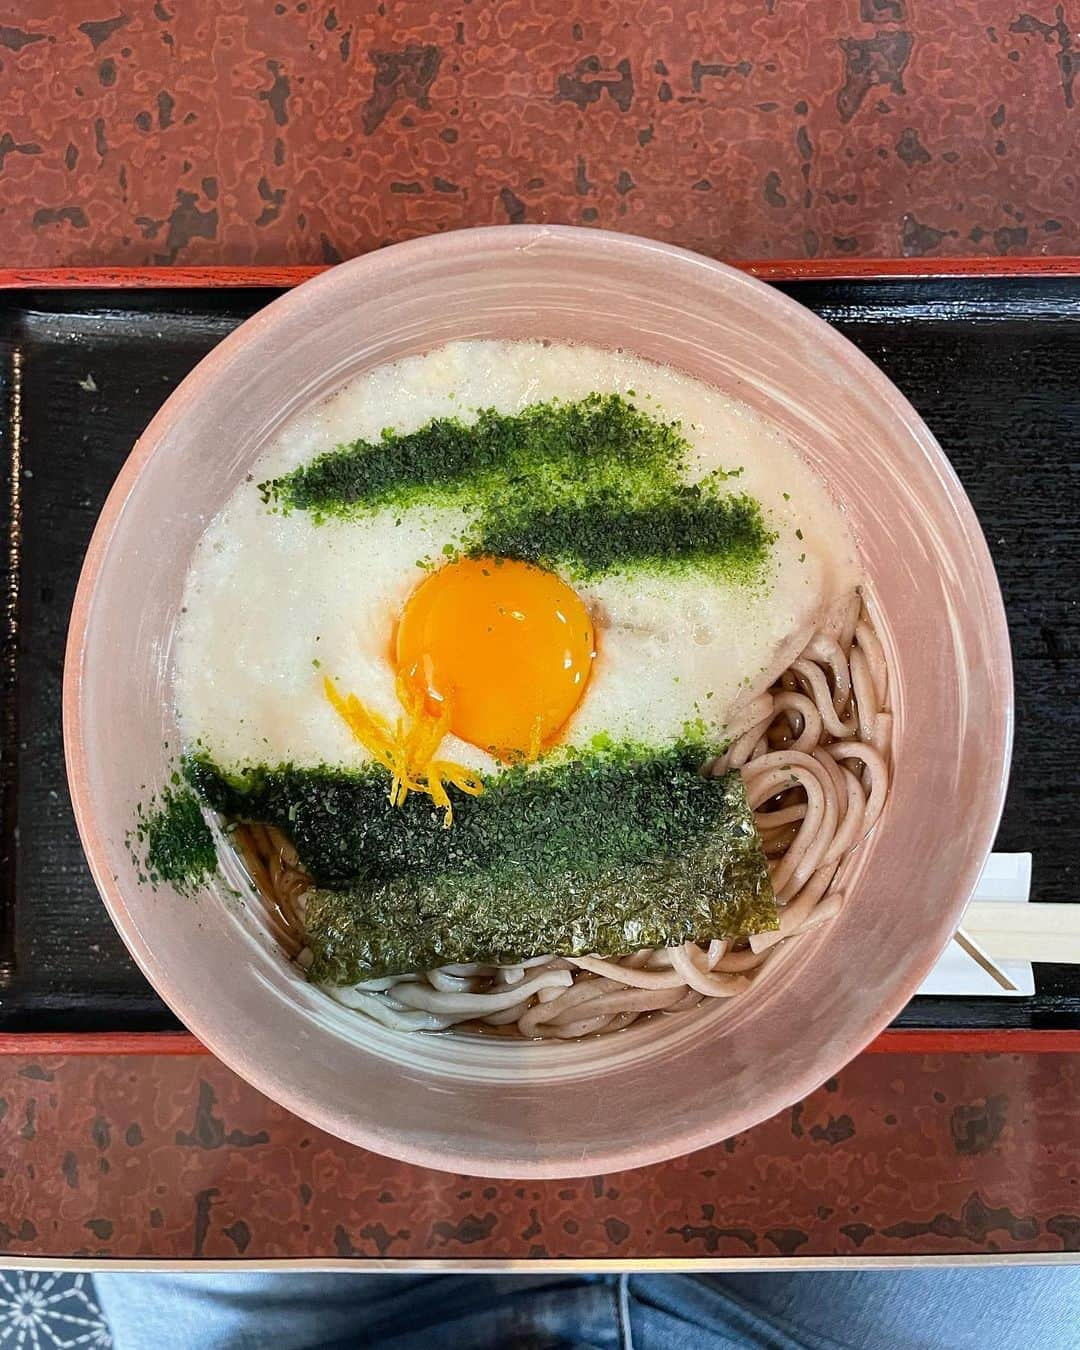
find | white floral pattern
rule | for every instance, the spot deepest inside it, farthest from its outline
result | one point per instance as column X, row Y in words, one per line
column 46, row 1310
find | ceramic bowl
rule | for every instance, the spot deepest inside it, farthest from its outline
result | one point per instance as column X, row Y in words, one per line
column 487, row 1106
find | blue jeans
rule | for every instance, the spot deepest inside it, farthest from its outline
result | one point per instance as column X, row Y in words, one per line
column 1018, row 1308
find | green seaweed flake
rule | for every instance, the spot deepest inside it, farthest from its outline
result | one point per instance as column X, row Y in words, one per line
column 593, row 486
column 171, row 841
column 597, row 440
column 606, row 853
column 689, row 528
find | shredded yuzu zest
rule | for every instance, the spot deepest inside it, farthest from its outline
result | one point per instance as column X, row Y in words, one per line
column 407, row 748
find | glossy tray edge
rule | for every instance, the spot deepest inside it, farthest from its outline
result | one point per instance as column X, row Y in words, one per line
column 895, row 1041
column 778, row 269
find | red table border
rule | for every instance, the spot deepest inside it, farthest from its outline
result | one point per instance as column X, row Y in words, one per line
column 914, row 1042
column 781, row 269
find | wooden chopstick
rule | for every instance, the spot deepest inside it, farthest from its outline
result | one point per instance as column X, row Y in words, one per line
column 966, row 944
column 1025, row 932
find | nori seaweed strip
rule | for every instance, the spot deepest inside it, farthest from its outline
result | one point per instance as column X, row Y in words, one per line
column 605, row 854
column 717, row 888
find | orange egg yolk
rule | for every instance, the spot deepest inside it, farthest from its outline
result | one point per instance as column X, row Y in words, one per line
column 503, row 647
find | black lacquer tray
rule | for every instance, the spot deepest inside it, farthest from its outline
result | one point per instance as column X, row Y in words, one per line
column 991, row 362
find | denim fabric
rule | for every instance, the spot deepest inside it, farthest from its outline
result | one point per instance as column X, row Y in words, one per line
column 992, row 1308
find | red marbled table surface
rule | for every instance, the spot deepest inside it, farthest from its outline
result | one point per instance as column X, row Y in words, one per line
column 308, row 131
column 899, row 1155
column 212, row 133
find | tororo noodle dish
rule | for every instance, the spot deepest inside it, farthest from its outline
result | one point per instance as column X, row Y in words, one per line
column 535, row 687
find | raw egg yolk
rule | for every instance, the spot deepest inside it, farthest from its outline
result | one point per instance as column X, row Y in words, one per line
column 504, row 646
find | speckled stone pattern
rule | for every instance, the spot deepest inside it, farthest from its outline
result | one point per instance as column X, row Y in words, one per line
column 308, row 131
column 900, row 1155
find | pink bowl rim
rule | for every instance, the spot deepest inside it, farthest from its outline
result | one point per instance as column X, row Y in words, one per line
column 495, row 239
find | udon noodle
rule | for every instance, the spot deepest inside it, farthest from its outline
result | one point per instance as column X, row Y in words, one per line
column 814, row 754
